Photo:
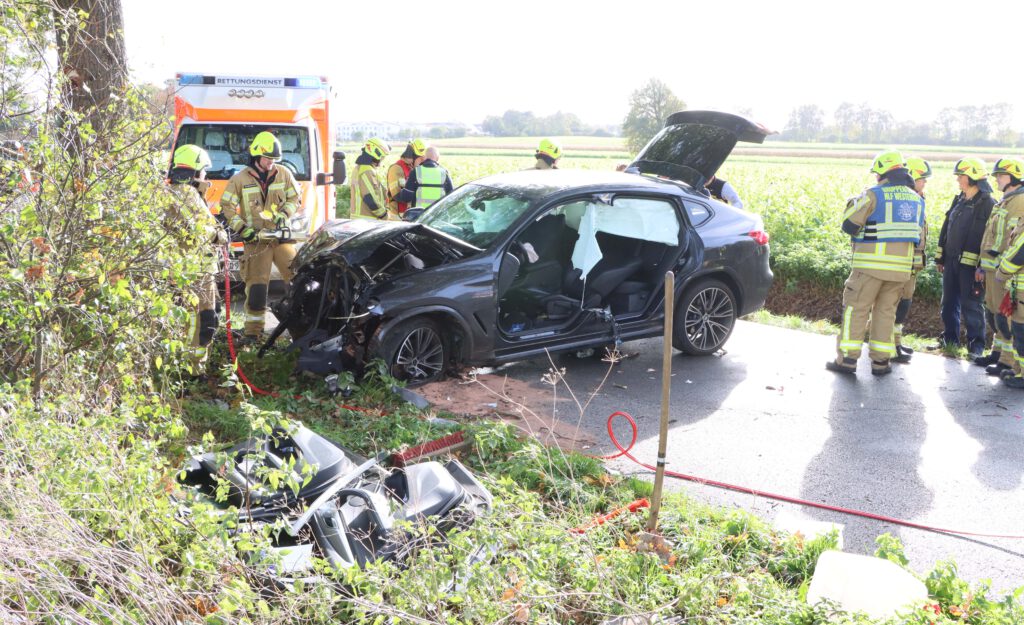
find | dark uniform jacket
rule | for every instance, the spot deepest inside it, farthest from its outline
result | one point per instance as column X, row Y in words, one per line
column 960, row 238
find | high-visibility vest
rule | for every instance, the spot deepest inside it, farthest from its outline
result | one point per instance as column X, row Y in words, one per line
column 898, row 216
column 431, row 184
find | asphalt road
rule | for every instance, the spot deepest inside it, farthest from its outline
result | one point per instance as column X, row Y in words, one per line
column 937, row 442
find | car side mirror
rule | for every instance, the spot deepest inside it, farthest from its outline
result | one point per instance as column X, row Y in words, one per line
column 413, row 213
column 338, row 171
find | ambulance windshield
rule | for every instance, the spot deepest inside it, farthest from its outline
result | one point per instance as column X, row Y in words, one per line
column 228, row 146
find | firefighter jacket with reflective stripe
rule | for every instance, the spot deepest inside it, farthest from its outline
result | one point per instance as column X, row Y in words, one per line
column 427, row 184
column 367, row 201
column 898, row 215
column 398, row 175
column 253, row 201
column 890, row 219
column 960, row 237
column 1005, row 216
column 187, row 210
column 1011, row 263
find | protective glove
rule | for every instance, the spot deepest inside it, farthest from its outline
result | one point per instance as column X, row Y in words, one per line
column 248, row 234
column 281, row 221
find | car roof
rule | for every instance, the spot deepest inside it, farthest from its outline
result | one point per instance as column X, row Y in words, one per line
column 534, row 184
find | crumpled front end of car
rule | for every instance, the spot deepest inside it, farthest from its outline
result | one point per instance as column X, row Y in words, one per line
column 333, row 310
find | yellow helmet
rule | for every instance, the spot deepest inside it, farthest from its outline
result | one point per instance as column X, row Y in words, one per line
column 888, row 161
column 919, row 168
column 377, row 148
column 550, row 148
column 417, row 146
column 1012, row 166
column 266, row 144
column 973, row 168
column 191, row 157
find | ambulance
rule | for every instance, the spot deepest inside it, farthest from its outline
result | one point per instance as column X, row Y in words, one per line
column 222, row 114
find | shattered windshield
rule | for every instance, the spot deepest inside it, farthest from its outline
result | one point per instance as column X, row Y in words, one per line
column 475, row 214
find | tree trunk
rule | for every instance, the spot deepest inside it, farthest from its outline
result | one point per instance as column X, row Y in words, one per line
column 92, row 55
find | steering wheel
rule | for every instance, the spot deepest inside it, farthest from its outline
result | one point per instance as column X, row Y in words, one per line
column 290, row 166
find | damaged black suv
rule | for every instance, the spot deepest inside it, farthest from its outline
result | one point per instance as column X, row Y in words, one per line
column 513, row 265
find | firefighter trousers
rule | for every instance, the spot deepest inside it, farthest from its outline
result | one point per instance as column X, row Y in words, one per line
column 203, row 322
column 903, row 307
column 1002, row 341
column 866, row 297
column 257, row 261
column 1017, row 331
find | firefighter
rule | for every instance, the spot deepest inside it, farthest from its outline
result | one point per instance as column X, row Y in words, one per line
column 188, row 183
column 261, row 197
column 885, row 223
column 1007, row 214
column 722, row 191
column 429, row 182
column 398, row 174
column 367, row 200
column 548, row 153
column 958, row 256
column 920, row 171
column 1011, row 274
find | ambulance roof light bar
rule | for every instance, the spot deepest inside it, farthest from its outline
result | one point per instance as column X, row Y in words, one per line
column 299, row 82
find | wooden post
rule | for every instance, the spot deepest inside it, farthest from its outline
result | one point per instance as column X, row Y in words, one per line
column 666, row 386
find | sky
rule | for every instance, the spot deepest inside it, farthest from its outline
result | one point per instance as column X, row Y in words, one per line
column 462, row 61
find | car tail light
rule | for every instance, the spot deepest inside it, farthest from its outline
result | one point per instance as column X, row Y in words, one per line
column 759, row 236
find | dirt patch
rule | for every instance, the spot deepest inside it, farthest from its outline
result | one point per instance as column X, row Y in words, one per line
column 816, row 302
column 529, row 406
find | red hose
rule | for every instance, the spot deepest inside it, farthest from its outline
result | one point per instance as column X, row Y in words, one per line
column 624, row 452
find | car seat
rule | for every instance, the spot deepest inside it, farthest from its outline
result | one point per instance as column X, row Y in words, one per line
column 552, row 240
column 593, row 292
column 290, row 153
column 220, row 158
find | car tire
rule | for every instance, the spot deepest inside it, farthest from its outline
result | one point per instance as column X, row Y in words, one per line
column 415, row 351
column 704, row 318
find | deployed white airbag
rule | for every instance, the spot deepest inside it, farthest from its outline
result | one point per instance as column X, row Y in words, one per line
column 636, row 218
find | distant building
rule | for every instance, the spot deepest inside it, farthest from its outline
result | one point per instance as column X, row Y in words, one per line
column 357, row 131
column 392, row 131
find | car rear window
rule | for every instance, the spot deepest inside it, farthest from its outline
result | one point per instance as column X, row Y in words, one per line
column 698, row 213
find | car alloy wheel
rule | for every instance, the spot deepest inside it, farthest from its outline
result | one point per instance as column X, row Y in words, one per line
column 705, row 318
column 416, row 351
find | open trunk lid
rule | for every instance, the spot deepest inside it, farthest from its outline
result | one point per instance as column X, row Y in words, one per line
column 694, row 144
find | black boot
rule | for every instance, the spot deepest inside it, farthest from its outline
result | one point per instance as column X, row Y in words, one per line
column 849, row 365
column 1014, row 381
column 880, row 367
column 1006, row 373
column 996, row 369
column 991, row 359
column 903, row 354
